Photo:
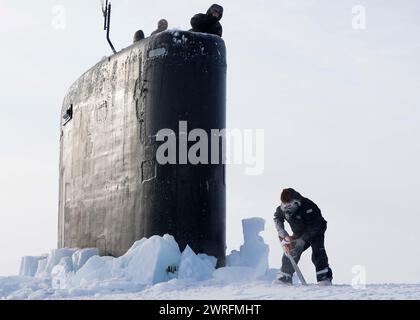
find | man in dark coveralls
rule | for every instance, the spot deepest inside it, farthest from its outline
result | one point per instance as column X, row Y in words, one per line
column 308, row 227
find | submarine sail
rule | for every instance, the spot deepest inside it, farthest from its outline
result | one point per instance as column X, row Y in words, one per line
column 113, row 191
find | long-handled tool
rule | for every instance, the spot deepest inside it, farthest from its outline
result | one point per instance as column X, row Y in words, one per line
column 285, row 247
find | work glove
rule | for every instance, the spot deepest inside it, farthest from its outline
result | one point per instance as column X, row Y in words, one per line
column 286, row 242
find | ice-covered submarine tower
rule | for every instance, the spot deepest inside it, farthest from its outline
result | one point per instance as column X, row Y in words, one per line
column 113, row 191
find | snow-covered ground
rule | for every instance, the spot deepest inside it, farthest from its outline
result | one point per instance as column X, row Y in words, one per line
column 28, row 288
column 155, row 268
column 265, row 290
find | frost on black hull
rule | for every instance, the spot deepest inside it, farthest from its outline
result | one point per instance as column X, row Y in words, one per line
column 112, row 190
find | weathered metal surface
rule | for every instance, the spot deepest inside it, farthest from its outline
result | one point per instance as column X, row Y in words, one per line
column 112, row 190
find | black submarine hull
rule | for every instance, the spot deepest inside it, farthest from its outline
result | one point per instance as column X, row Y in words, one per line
column 113, row 190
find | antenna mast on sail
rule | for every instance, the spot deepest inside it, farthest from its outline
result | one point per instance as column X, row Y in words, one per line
column 106, row 11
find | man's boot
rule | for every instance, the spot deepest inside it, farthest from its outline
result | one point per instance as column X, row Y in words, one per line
column 284, row 278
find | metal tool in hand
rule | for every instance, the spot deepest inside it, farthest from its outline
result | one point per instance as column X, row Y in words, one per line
column 286, row 247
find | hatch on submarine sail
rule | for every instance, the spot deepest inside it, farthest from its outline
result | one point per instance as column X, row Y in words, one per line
column 112, row 190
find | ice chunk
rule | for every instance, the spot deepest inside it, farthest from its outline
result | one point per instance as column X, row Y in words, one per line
column 135, row 245
column 251, row 229
column 254, row 252
column 55, row 257
column 123, row 261
column 42, row 267
column 60, row 273
column 95, row 270
column 151, row 259
column 147, row 262
column 29, row 265
column 192, row 267
column 80, row 257
column 210, row 260
column 234, row 259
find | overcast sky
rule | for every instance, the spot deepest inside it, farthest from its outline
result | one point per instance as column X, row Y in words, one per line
column 339, row 106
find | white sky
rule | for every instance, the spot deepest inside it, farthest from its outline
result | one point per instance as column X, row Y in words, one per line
column 340, row 110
